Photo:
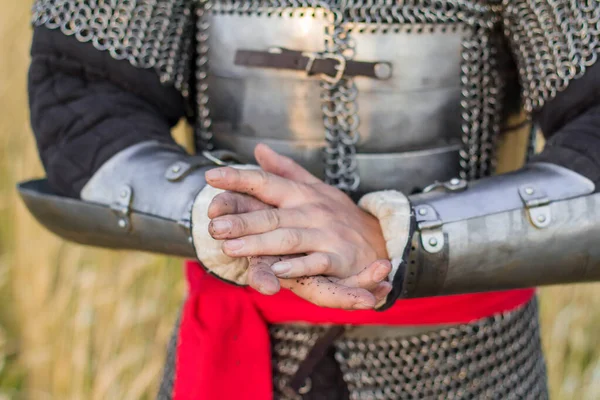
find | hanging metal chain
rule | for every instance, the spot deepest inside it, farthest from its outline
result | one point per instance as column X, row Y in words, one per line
column 339, row 107
column 203, row 132
column 482, row 91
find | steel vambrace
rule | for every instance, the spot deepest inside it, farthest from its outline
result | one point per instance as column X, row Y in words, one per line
column 533, row 227
column 140, row 199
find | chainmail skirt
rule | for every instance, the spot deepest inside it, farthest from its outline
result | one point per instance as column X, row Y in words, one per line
column 499, row 357
column 494, row 358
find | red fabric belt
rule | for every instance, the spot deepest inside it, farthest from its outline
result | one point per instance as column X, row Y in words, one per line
column 224, row 351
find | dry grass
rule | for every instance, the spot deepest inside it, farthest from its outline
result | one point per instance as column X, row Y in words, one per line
column 80, row 323
column 77, row 323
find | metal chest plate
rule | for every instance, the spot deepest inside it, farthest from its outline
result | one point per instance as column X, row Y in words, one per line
column 410, row 124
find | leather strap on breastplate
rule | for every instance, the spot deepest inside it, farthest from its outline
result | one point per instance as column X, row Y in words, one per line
column 332, row 66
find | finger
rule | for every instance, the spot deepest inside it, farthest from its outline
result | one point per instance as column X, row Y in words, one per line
column 370, row 277
column 260, row 276
column 269, row 188
column 310, row 265
column 278, row 242
column 321, row 291
column 234, row 203
column 273, row 162
column 252, row 223
column 381, row 292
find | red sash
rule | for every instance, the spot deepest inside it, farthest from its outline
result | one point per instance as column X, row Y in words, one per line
column 224, row 351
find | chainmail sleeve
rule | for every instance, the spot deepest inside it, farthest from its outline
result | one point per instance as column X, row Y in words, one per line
column 553, row 42
column 149, row 34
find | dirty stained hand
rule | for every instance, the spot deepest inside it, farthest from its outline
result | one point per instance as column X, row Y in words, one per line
column 362, row 291
column 311, row 235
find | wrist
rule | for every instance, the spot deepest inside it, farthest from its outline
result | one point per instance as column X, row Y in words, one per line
column 375, row 237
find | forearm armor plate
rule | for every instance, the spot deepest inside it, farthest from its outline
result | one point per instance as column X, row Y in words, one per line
column 141, row 199
column 537, row 226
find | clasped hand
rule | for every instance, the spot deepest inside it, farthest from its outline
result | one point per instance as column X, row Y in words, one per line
column 299, row 233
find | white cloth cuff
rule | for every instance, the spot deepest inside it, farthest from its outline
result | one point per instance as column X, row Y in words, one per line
column 208, row 250
column 393, row 210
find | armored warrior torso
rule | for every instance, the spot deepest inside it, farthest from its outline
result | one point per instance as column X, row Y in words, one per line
column 428, row 105
column 429, row 100
column 388, row 98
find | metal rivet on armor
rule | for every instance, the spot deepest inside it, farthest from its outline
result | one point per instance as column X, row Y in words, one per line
column 422, row 211
column 122, row 223
column 382, row 70
column 529, row 191
column 124, row 193
column 176, row 169
column 454, row 181
column 541, row 218
column 433, row 242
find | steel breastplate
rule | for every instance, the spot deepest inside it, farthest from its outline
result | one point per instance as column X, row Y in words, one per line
column 410, row 124
column 436, row 117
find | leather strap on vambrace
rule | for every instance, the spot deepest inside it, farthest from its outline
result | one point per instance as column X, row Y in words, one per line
column 537, row 226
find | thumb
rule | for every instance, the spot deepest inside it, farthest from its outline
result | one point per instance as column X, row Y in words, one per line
column 273, row 162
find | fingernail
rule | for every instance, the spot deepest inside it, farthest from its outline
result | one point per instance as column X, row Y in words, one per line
column 281, row 268
column 214, row 174
column 363, row 306
column 383, row 290
column 381, row 272
column 268, row 285
column 234, row 245
column 221, row 226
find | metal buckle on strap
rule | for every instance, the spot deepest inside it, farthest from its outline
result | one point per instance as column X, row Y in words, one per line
column 221, row 158
column 340, row 67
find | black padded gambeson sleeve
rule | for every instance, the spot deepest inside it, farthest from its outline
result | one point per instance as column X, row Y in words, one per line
column 571, row 124
column 87, row 107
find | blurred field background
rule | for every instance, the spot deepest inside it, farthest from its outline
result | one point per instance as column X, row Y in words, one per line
column 81, row 323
